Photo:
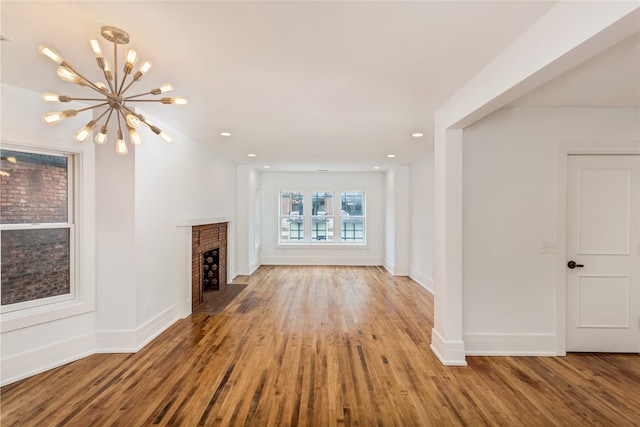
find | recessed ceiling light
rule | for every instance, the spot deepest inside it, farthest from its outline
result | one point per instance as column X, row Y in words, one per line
column 251, row 155
column 376, row 167
column 225, row 133
column 417, row 134
column 391, row 155
column 323, row 170
column 267, row 167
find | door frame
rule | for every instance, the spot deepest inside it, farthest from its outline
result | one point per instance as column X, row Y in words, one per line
column 564, row 150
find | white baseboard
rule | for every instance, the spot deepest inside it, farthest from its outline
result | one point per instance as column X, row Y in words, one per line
column 317, row 260
column 450, row 353
column 422, row 279
column 510, row 344
column 248, row 270
column 24, row 365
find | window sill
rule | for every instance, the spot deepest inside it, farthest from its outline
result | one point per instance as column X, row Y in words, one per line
column 42, row 314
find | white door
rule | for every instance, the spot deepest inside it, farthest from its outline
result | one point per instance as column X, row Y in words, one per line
column 603, row 242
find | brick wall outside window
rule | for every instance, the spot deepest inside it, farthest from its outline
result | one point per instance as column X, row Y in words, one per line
column 35, row 263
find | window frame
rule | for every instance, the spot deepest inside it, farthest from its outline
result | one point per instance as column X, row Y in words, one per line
column 70, row 225
column 308, row 219
column 82, row 263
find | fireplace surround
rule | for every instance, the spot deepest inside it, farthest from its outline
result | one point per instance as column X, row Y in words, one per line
column 207, row 239
column 194, row 237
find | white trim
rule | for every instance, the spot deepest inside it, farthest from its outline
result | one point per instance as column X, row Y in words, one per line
column 563, row 151
column 510, row 344
column 450, row 353
column 422, row 279
column 320, row 260
column 32, row 362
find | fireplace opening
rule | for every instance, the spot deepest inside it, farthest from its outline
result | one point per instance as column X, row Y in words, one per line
column 208, row 261
column 211, row 270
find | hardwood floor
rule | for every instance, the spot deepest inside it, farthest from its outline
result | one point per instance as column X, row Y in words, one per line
column 323, row 346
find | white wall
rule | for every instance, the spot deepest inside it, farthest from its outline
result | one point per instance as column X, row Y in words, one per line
column 509, row 207
column 371, row 254
column 422, row 209
column 182, row 180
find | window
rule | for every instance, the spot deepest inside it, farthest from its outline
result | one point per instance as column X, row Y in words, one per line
column 315, row 221
column 352, row 216
column 322, row 217
column 291, row 216
column 37, row 226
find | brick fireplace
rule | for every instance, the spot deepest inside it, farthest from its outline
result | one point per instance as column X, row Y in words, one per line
column 209, row 239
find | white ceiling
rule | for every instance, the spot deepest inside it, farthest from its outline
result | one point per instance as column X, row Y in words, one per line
column 303, row 85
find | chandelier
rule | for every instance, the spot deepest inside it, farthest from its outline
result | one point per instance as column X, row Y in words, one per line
column 112, row 96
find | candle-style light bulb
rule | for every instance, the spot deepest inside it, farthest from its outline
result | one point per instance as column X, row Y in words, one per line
column 68, row 75
column 135, row 137
column 146, row 66
column 83, row 133
column 101, row 137
column 132, row 120
column 95, row 47
column 54, row 97
column 51, row 54
column 121, row 146
column 57, row 116
column 131, row 56
column 166, row 137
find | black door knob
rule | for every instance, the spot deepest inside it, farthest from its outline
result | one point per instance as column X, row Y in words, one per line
column 572, row 265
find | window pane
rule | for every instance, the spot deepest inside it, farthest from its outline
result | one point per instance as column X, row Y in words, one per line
column 321, row 203
column 291, row 203
column 34, row 188
column 352, row 203
column 322, row 228
column 352, row 229
column 291, row 216
column 35, row 264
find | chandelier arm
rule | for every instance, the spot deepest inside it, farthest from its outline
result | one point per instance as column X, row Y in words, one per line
column 122, row 84
column 129, row 98
column 144, row 100
column 106, row 76
column 92, row 107
column 87, row 82
column 103, row 113
column 86, row 99
column 128, row 86
column 115, row 64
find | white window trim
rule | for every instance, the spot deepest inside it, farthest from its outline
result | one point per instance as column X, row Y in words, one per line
column 337, row 242
column 82, row 261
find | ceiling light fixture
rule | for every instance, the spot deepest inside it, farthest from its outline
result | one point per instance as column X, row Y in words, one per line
column 225, row 133
column 251, row 155
column 417, row 134
column 112, row 97
column 391, row 155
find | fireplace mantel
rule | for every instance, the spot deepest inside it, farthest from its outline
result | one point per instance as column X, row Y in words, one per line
column 190, row 222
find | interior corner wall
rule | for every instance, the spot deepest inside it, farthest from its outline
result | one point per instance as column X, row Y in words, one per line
column 272, row 253
column 422, row 211
column 509, row 206
column 247, row 221
column 397, row 220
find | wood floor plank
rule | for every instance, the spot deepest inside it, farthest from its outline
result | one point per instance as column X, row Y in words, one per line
column 322, row 346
